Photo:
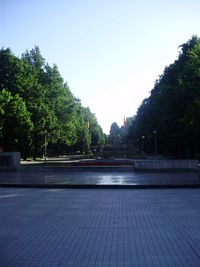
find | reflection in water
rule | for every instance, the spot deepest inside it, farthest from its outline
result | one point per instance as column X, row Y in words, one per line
column 99, row 177
column 131, row 178
column 110, row 179
column 115, row 179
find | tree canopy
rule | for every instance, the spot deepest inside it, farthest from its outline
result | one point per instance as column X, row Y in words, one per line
column 173, row 107
column 34, row 102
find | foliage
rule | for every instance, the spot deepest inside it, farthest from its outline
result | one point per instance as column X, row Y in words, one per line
column 16, row 125
column 34, row 95
column 115, row 135
column 173, row 108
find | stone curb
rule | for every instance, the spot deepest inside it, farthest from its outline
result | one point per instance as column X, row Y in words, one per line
column 96, row 186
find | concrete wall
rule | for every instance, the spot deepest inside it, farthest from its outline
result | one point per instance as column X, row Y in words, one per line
column 9, row 160
column 166, row 164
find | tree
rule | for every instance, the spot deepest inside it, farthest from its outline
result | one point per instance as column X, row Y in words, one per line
column 50, row 105
column 115, row 135
column 16, row 125
column 173, row 107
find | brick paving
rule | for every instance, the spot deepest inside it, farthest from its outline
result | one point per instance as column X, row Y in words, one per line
column 96, row 227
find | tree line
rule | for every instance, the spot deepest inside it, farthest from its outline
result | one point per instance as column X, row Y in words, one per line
column 36, row 104
column 171, row 113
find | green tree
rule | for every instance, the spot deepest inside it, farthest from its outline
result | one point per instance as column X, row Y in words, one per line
column 53, row 110
column 16, row 125
column 115, row 135
column 173, row 107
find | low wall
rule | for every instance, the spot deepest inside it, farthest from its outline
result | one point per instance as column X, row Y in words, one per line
column 9, row 160
column 166, row 164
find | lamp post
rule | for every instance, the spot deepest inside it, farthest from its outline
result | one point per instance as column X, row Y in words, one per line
column 155, row 142
column 83, row 146
column 134, row 146
column 45, row 146
column 124, row 144
column 138, row 145
column 143, row 137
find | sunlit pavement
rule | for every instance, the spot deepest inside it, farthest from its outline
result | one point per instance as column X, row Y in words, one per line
column 98, row 227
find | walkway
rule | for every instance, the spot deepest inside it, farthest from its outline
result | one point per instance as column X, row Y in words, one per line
column 98, row 227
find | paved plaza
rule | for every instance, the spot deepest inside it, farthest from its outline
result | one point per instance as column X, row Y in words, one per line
column 99, row 227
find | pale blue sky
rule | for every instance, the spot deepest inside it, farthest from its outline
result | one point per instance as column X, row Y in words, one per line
column 110, row 52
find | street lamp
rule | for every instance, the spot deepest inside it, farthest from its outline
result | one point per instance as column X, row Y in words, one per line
column 155, row 143
column 45, row 146
column 83, row 146
column 143, row 137
column 124, row 143
column 138, row 145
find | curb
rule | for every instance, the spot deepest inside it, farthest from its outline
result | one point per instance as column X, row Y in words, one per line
column 76, row 168
column 98, row 186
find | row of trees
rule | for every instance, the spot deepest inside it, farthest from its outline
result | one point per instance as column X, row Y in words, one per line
column 35, row 102
column 172, row 109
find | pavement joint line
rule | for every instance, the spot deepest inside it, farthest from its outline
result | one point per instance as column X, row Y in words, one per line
column 5, row 196
column 197, row 254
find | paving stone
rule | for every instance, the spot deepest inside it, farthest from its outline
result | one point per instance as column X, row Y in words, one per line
column 95, row 227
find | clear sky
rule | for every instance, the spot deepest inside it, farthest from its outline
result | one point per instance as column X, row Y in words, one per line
column 109, row 51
